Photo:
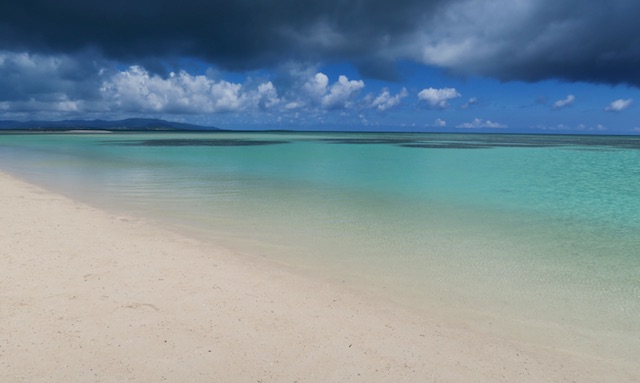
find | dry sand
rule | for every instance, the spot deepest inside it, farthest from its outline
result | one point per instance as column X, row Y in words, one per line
column 87, row 296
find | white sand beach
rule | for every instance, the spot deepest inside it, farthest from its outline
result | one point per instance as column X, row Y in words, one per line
column 89, row 296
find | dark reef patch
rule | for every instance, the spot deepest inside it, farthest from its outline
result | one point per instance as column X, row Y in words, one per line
column 452, row 145
column 421, row 141
column 490, row 141
column 367, row 141
column 199, row 142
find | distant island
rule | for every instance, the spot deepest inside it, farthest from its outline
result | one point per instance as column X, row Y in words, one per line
column 130, row 124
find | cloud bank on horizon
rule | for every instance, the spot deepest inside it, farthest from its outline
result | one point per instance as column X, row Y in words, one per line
column 73, row 56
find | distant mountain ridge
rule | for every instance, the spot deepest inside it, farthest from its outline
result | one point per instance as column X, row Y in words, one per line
column 130, row 124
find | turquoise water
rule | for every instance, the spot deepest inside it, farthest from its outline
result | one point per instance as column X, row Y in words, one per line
column 534, row 231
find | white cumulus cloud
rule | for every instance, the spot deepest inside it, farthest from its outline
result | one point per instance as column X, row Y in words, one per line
column 439, row 123
column 317, row 90
column 472, row 101
column 479, row 123
column 438, row 98
column 618, row 105
column 341, row 92
column 564, row 102
column 135, row 89
column 316, row 87
column 386, row 101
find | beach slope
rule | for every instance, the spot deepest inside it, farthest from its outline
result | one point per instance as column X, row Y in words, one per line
column 89, row 296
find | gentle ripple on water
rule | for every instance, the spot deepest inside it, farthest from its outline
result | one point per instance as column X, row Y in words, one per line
column 536, row 228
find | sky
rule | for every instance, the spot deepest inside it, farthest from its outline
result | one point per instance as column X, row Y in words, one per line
column 535, row 66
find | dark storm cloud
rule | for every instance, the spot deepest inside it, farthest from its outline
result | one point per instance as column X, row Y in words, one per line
column 240, row 34
column 530, row 40
column 600, row 42
column 27, row 76
column 594, row 41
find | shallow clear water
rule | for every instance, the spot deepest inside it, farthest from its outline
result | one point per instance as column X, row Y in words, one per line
column 533, row 230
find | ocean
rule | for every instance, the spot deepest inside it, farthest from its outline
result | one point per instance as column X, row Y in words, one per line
column 535, row 236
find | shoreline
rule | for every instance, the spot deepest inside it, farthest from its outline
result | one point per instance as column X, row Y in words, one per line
column 89, row 295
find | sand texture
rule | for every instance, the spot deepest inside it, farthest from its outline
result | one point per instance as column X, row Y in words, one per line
column 88, row 296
